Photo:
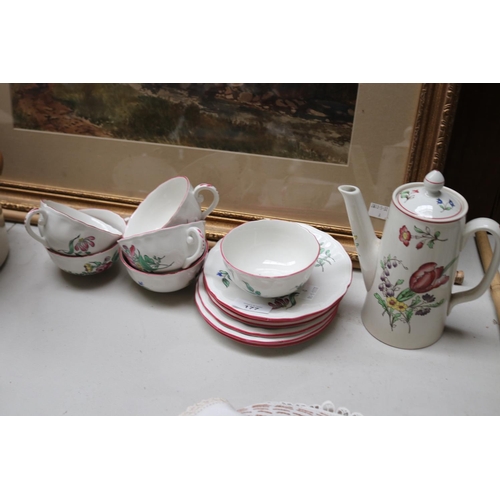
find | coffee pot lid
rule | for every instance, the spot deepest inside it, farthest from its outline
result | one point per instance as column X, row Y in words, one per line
column 430, row 199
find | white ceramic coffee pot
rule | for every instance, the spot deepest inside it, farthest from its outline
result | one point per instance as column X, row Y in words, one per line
column 410, row 271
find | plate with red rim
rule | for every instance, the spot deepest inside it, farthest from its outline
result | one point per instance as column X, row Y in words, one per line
column 255, row 340
column 258, row 321
column 259, row 331
column 329, row 282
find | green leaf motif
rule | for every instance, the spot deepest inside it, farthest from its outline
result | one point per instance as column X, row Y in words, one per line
column 415, row 302
column 381, row 301
column 405, row 295
column 250, row 289
column 436, row 304
column 418, row 230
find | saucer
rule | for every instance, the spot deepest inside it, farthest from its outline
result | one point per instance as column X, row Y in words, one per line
column 325, row 288
column 259, row 331
column 255, row 340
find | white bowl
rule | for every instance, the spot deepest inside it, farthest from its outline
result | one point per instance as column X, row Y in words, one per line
column 86, row 265
column 270, row 258
column 165, row 282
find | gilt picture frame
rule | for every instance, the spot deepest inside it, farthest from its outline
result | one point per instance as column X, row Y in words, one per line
column 400, row 132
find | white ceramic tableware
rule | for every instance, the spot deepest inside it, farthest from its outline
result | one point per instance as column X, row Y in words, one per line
column 167, row 249
column 409, row 272
column 165, row 282
column 171, row 203
column 70, row 232
column 329, row 281
column 86, row 265
column 270, row 258
column 258, row 330
column 259, row 341
column 269, row 325
column 108, row 217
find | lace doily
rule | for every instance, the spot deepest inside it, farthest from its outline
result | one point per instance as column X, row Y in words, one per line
column 219, row 406
column 274, row 409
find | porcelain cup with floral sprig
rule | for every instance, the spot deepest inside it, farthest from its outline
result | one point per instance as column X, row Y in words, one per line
column 86, row 265
column 70, row 232
column 167, row 249
column 270, row 258
column 172, row 203
column 168, row 281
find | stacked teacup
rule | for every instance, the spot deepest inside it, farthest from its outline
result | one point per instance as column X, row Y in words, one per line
column 164, row 244
column 82, row 242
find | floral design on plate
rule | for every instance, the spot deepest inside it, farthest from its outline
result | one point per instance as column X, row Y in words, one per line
column 325, row 256
column 401, row 304
column 286, row 301
column 145, row 262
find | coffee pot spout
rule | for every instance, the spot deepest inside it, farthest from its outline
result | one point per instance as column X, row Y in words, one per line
column 365, row 239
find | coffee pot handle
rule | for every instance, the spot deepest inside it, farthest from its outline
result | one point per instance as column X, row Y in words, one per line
column 492, row 227
column 41, row 221
column 199, row 197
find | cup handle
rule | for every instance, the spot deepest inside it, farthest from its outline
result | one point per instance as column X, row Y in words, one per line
column 194, row 234
column 41, row 222
column 492, row 227
column 199, row 197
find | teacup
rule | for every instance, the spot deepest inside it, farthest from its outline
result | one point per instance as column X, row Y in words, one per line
column 166, row 282
column 165, row 250
column 171, row 203
column 86, row 265
column 70, row 232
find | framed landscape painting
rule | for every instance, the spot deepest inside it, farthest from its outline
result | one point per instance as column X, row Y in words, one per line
column 271, row 150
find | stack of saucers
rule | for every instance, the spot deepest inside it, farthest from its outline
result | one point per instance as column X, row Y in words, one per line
column 247, row 317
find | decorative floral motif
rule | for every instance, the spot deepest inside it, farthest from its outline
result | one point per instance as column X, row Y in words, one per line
column 427, row 236
column 98, row 267
column 427, row 277
column 251, row 289
column 408, row 194
column 445, row 206
column 144, row 262
column 226, row 279
column 286, row 302
column 405, row 236
column 79, row 246
column 324, row 257
column 401, row 305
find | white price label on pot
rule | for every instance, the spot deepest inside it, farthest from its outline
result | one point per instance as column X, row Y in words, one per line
column 250, row 306
column 378, row 211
